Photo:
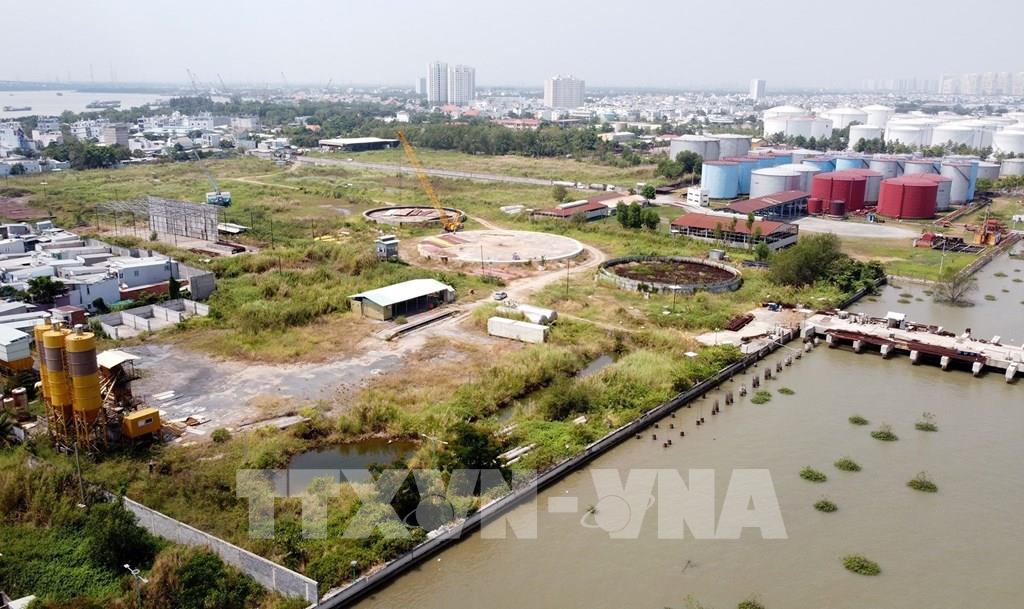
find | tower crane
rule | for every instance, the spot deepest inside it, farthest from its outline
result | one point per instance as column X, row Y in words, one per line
column 192, row 79
column 449, row 223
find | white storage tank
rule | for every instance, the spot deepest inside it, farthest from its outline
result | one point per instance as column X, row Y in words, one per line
column 842, row 117
column 863, row 132
column 988, row 171
column 771, row 180
column 918, row 166
column 1011, row 167
column 908, row 135
column 797, row 126
column 1009, row 141
column 522, row 331
column 806, row 173
column 732, row 144
column 960, row 135
column 889, row 167
column 706, row 147
column 878, row 115
column 960, row 173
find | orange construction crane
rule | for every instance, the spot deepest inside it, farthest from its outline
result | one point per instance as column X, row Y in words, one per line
column 449, row 223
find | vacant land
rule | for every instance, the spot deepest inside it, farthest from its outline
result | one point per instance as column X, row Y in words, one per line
column 901, row 258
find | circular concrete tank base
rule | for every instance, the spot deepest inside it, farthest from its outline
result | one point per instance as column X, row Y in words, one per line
column 499, row 246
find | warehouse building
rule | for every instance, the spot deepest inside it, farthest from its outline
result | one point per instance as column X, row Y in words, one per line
column 588, row 210
column 406, row 298
column 776, row 235
column 357, row 144
column 778, row 206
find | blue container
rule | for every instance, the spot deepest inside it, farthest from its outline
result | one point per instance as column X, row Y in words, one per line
column 851, row 162
column 825, row 164
column 721, row 179
column 782, row 158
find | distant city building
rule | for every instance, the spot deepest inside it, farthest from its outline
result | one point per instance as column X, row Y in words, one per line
column 48, row 123
column 421, row 86
column 564, row 92
column 437, row 83
column 757, row 88
column 461, row 85
column 12, row 137
column 116, row 134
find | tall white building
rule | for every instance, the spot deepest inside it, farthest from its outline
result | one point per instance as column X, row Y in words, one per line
column 757, row 87
column 564, row 92
column 437, row 83
column 461, row 85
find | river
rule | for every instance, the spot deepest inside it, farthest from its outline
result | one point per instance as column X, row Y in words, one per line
column 960, row 547
column 48, row 103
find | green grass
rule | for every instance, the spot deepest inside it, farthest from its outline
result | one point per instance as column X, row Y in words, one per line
column 824, row 505
column 750, row 603
column 901, row 258
column 761, row 397
column 786, row 391
column 990, row 297
column 812, row 475
column 922, row 483
column 858, row 420
column 847, row 464
column 927, row 423
column 861, row 565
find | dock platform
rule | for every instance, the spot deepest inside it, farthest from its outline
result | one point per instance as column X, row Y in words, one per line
column 923, row 343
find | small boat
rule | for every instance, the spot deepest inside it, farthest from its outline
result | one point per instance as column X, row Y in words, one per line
column 17, row 108
column 103, row 105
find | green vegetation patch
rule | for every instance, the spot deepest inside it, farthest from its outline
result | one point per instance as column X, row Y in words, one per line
column 922, row 483
column 927, row 423
column 761, row 397
column 861, row 565
column 812, row 475
column 885, row 434
column 858, row 420
column 785, row 391
column 847, row 464
column 824, row 505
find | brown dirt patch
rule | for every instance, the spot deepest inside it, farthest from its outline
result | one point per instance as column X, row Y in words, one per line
column 688, row 273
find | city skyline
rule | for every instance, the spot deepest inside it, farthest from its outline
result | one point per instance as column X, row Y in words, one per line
column 320, row 55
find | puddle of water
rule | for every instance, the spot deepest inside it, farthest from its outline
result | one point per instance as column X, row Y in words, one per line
column 596, row 366
column 355, row 456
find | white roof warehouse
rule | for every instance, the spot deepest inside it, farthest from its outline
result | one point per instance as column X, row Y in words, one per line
column 404, row 298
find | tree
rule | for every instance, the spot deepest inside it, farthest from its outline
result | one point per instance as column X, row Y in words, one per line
column 648, row 192
column 45, row 290
column 559, row 193
column 807, row 261
column 622, row 214
column 954, row 288
column 651, row 219
column 17, row 169
column 469, row 447
column 635, row 215
column 719, row 233
column 114, row 538
column 173, row 288
column 750, row 222
column 761, row 252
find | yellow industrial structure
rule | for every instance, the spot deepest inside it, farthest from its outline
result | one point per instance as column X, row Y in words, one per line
column 76, row 411
column 449, row 223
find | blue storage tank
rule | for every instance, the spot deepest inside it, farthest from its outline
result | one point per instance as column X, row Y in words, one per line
column 721, row 179
column 746, row 166
column 782, row 158
column 972, row 183
column 851, row 162
column 824, row 163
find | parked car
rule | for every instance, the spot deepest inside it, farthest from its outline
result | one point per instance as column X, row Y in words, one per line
column 500, row 295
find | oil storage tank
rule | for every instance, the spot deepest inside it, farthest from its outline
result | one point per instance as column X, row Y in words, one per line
column 746, row 165
column 918, row 166
column 1009, row 140
column 732, row 144
column 822, row 162
column 707, row 147
column 942, row 194
column 771, row 180
column 814, row 206
column 1011, row 167
column 909, row 197
column 863, row 132
column 889, row 167
column 807, row 173
column 846, row 186
column 721, row 179
column 878, row 115
column 908, row 134
column 872, row 185
column 842, row 117
column 851, row 161
column 988, row 171
column 960, row 172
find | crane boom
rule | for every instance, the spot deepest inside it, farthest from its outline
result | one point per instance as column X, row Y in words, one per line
column 449, row 224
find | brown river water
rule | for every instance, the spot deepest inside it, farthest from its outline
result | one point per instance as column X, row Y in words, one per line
column 960, row 547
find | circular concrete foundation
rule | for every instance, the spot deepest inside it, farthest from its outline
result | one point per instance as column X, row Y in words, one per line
column 409, row 215
column 669, row 274
column 499, row 246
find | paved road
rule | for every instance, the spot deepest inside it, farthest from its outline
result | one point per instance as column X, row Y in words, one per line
column 441, row 173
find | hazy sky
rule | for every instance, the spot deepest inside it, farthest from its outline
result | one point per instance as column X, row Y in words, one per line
column 670, row 43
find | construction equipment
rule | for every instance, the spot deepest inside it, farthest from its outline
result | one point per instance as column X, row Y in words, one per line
column 217, row 196
column 448, row 222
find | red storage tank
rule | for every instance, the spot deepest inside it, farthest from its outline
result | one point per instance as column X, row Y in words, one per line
column 873, row 183
column 814, row 206
column 837, row 208
column 909, row 197
column 848, row 186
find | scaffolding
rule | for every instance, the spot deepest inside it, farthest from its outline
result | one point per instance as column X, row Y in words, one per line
column 167, row 217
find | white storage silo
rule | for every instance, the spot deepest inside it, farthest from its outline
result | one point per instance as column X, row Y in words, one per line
column 863, row 132
column 1011, row 167
column 803, row 153
column 1009, row 141
column 732, row 144
column 959, row 135
column 706, row 147
column 918, row 166
column 842, row 117
column 960, row 173
column 878, row 115
column 771, row 180
column 908, row 135
column 887, row 166
column 784, row 111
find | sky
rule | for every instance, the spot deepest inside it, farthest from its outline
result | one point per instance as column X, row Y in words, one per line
column 639, row 43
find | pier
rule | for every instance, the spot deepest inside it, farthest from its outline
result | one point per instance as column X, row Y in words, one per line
column 921, row 342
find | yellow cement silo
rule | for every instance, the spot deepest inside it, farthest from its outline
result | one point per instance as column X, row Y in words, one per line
column 80, row 355
column 58, row 389
column 40, row 328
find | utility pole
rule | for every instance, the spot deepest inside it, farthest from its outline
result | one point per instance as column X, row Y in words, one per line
column 568, row 263
column 78, row 469
column 138, row 579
